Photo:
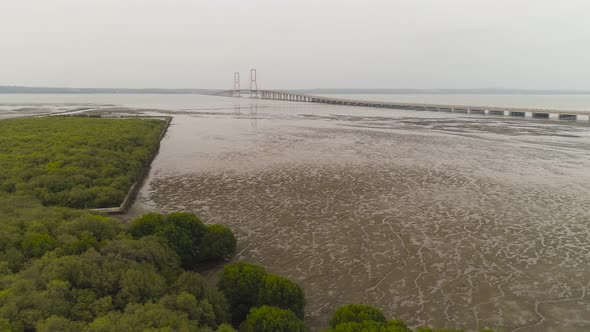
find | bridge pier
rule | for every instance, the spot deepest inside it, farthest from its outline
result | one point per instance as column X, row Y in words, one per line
column 519, row 114
column 571, row 117
column 540, row 115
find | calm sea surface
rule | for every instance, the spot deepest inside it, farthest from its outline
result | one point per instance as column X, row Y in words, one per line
column 439, row 219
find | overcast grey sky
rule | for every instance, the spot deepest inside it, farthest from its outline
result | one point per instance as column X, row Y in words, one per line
column 535, row 44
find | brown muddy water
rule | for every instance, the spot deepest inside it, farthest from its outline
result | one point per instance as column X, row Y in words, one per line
column 442, row 220
column 438, row 220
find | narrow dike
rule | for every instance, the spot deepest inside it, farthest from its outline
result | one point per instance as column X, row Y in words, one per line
column 132, row 194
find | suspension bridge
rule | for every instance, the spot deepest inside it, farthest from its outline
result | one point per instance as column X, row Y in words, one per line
column 536, row 113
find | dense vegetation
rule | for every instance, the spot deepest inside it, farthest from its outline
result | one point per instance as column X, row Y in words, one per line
column 192, row 241
column 73, row 161
column 67, row 270
column 272, row 319
column 363, row 318
column 247, row 286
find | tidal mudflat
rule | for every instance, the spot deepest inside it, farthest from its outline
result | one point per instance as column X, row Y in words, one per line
column 438, row 220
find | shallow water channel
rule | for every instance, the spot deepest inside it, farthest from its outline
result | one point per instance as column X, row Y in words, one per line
column 440, row 220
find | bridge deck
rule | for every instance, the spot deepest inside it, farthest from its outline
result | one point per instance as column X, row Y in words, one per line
column 492, row 110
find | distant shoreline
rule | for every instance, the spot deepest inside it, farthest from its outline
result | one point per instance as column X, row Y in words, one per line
column 47, row 90
column 482, row 91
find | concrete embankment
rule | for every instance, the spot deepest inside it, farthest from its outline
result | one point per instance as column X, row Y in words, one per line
column 132, row 194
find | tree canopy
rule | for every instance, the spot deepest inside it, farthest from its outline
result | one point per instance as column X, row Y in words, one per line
column 186, row 234
column 67, row 270
column 272, row 319
column 281, row 292
column 364, row 318
column 356, row 313
column 74, row 161
column 247, row 286
column 240, row 283
column 218, row 244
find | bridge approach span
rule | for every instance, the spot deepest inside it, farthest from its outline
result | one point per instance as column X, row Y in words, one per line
column 467, row 109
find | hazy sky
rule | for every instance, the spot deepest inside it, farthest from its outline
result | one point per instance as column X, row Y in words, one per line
column 296, row 44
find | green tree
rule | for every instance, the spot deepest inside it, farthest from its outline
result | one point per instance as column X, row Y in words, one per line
column 272, row 319
column 102, row 306
column 281, row 292
column 143, row 317
column 100, row 227
column 225, row 328
column 356, row 313
column 140, row 285
column 83, row 300
column 35, row 245
column 14, row 258
column 218, row 244
column 74, row 245
column 193, row 283
column 148, row 249
column 57, row 323
column 146, row 225
column 371, row 326
column 183, row 233
column 10, row 235
column 199, row 311
column 427, row 329
column 240, row 283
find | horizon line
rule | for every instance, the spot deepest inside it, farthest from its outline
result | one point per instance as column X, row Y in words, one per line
column 3, row 87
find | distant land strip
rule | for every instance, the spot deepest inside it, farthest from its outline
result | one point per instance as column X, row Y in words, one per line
column 5, row 89
column 26, row 89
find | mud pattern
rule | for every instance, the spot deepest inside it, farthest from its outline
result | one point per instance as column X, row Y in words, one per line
column 462, row 223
